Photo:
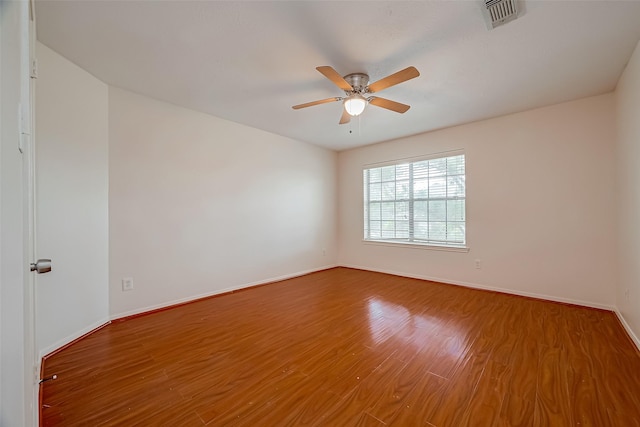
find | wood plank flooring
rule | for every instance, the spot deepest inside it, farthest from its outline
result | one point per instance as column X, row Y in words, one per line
column 346, row 347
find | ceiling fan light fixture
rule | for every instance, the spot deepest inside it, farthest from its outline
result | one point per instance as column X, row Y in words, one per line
column 354, row 104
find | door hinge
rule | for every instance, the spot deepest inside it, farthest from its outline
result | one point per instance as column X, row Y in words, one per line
column 25, row 128
column 34, row 68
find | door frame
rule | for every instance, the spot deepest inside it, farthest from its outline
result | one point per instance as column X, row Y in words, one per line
column 31, row 354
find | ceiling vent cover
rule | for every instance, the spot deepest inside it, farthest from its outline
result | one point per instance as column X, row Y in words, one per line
column 499, row 12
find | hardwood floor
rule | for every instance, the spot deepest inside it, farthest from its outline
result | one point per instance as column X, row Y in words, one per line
column 346, row 347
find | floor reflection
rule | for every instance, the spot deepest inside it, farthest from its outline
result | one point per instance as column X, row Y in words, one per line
column 390, row 321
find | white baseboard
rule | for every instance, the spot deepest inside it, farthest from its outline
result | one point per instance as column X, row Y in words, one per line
column 70, row 338
column 217, row 292
column 489, row 288
column 627, row 327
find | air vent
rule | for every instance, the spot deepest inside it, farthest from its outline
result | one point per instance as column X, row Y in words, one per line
column 499, row 12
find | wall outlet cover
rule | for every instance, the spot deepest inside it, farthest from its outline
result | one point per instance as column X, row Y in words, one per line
column 127, row 284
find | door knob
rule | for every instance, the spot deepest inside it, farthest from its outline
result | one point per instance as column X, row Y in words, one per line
column 41, row 266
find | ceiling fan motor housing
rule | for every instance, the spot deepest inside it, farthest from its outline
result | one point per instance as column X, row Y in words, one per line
column 358, row 82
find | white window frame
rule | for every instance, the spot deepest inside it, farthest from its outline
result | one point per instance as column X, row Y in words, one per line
column 460, row 245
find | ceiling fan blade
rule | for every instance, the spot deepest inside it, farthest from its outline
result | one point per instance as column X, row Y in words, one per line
column 389, row 105
column 336, row 78
column 311, row 104
column 346, row 117
column 394, row 79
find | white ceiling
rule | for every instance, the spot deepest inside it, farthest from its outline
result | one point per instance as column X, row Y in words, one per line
column 249, row 62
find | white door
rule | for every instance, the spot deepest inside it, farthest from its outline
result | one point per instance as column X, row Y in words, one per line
column 26, row 147
column 31, row 355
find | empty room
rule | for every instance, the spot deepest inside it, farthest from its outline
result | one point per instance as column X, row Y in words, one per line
column 323, row 213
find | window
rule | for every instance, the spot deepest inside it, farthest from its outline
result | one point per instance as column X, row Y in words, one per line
column 421, row 202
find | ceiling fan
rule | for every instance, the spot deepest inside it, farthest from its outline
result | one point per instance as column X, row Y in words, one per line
column 356, row 86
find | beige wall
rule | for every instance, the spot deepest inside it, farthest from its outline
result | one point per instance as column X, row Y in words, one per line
column 72, row 200
column 628, row 167
column 201, row 205
column 540, row 204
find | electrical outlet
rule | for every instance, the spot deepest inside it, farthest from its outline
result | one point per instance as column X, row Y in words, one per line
column 626, row 294
column 127, row 284
column 478, row 264
column 324, row 252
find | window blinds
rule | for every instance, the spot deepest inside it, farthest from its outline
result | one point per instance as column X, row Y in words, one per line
column 419, row 202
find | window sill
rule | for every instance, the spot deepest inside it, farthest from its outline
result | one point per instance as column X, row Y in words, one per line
column 414, row 245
